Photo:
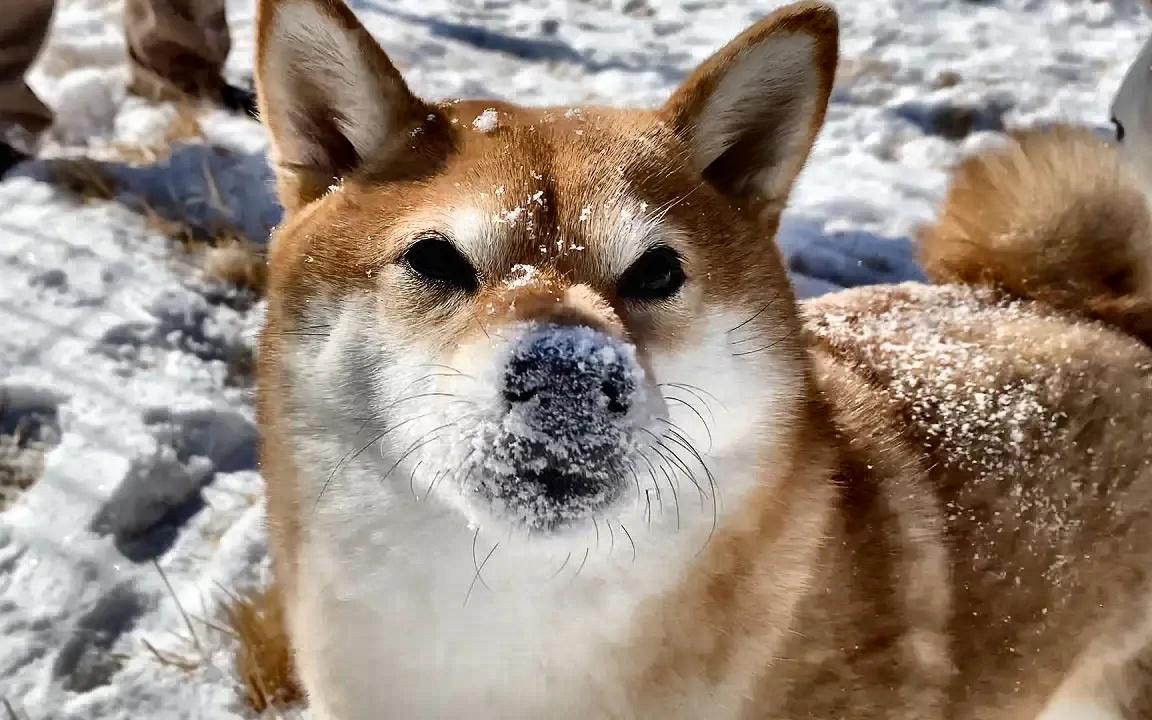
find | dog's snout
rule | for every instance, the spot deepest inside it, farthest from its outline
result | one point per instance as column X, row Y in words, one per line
column 573, row 369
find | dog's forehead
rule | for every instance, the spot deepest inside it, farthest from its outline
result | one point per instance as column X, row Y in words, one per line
column 578, row 188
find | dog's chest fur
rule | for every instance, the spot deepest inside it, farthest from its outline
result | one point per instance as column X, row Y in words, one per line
column 428, row 619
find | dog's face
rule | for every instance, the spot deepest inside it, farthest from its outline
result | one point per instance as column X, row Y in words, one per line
column 555, row 321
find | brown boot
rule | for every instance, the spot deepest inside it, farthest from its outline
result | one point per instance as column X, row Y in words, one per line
column 177, row 49
column 23, row 26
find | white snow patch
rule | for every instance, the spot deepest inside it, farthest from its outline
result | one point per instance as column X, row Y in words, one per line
column 486, row 121
column 522, row 276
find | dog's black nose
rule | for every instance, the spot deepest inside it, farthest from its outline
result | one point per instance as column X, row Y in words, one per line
column 560, row 374
column 564, row 439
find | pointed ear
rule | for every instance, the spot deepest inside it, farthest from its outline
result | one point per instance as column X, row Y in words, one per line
column 750, row 113
column 329, row 96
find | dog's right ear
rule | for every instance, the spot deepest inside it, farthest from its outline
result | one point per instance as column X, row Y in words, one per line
column 330, row 97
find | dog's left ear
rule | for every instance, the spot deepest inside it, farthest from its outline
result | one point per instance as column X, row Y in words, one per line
column 751, row 112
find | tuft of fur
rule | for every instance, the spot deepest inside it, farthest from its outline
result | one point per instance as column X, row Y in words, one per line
column 1056, row 216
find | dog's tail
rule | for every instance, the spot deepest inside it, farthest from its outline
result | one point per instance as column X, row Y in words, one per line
column 1058, row 217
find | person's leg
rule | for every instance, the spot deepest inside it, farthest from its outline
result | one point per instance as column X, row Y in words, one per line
column 23, row 27
column 178, row 48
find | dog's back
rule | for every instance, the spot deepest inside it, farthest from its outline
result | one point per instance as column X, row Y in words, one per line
column 1017, row 396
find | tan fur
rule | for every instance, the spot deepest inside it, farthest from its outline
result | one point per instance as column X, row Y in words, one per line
column 954, row 521
column 1018, row 218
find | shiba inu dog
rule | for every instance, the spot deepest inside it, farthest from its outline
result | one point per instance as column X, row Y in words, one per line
column 547, row 435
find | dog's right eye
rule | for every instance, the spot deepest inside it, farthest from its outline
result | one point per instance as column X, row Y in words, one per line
column 657, row 275
column 435, row 259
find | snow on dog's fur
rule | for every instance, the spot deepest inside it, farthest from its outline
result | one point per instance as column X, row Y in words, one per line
column 545, row 436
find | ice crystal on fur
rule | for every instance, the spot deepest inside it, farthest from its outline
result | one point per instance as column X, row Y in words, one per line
column 509, row 217
column 950, row 387
column 560, row 454
column 522, row 275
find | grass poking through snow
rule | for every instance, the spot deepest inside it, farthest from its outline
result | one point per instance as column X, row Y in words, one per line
column 264, row 658
column 225, row 254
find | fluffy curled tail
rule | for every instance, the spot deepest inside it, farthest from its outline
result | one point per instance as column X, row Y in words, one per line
column 1058, row 217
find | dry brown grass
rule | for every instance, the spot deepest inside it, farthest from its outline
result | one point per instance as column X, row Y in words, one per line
column 10, row 711
column 184, row 127
column 264, row 657
column 237, row 262
column 266, row 674
column 83, row 177
column 225, row 255
column 854, row 68
column 21, row 465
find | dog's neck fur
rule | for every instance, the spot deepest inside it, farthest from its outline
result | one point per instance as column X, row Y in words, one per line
column 574, row 638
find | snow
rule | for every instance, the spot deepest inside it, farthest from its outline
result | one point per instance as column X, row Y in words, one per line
column 949, row 385
column 123, row 371
column 486, row 121
column 522, row 276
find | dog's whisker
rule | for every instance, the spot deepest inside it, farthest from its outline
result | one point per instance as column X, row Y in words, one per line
column 677, row 435
column 696, row 391
column 655, row 482
column 442, row 366
column 660, row 448
column 769, row 346
column 675, row 495
column 715, row 514
column 635, row 478
column 435, row 482
column 663, row 210
column 307, row 331
column 468, row 475
column 420, row 396
column 351, row 455
column 560, row 569
column 758, row 313
column 583, row 562
column 479, row 577
column 414, row 383
column 412, row 480
column 630, row 540
column 703, row 423
column 428, row 438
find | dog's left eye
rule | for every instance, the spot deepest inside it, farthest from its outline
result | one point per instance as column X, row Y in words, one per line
column 657, row 275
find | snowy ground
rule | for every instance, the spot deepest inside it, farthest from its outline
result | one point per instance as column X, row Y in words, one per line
column 130, row 368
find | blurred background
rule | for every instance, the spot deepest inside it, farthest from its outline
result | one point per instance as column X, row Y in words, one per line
column 131, row 279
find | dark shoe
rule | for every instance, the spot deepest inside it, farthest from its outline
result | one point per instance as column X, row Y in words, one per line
column 238, row 99
column 10, row 157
